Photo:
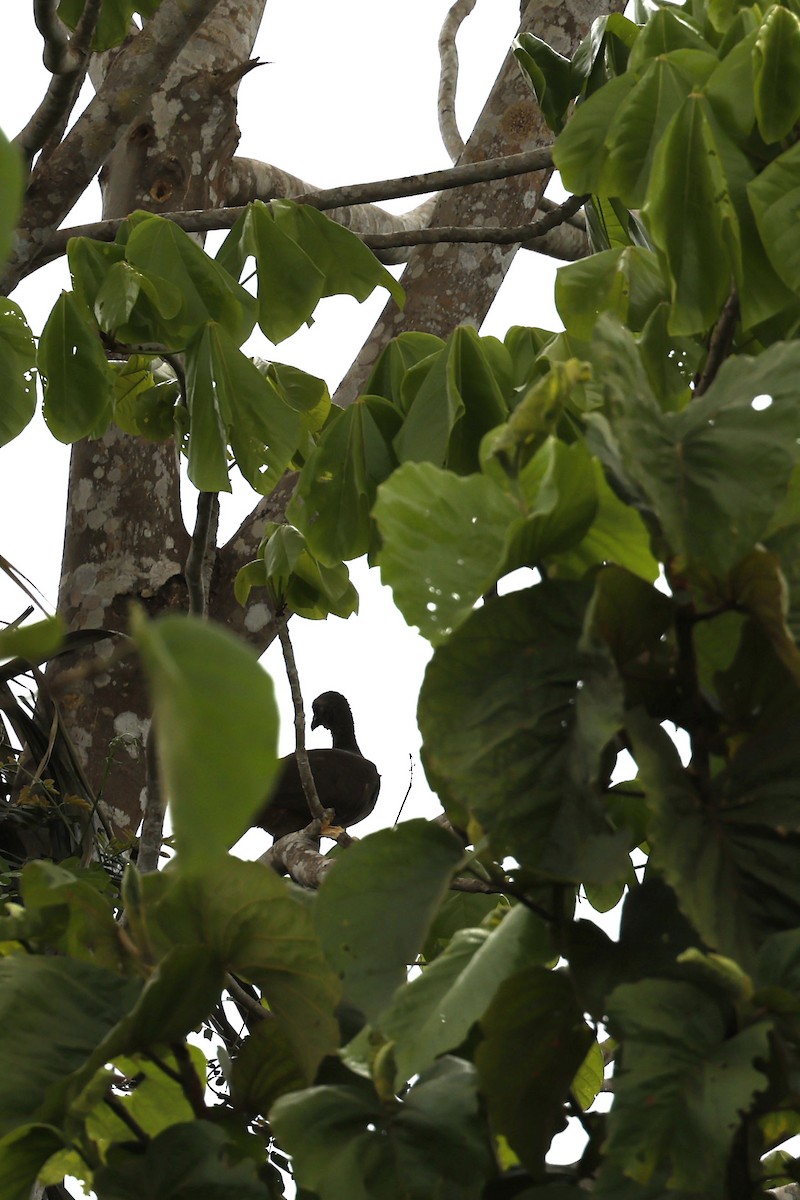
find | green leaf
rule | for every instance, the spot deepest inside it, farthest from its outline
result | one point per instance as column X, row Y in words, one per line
column 11, row 190
column 535, row 1039
column 580, row 152
column 689, row 1075
column 715, row 472
column 193, row 1158
column 22, row 1155
column 348, row 266
column 617, row 535
column 729, row 857
column 114, row 23
column 626, row 283
column 774, row 196
column 265, row 431
column 297, row 580
column 375, row 905
column 434, row 1012
column 552, row 77
column 692, row 219
column 33, row 642
column 172, row 260
column 336, row 489
column 217, row 761
column 77, row 379
column 505, row 738
column 59, row 1010
column 17, row 360
column 589, row 1078
column 290, row 284
column 264, row 1069
column 262, row 930
column 156, row 1102
column 560, row 490
column 444, row 540
column 459, row 400
column 667, row 29
column 346, row 1145
column 209, row 419
column 759, row 588
column 395, row 361
column 776, row 73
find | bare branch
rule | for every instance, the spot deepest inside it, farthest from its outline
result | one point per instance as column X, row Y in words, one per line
column 298, row 856
column 152, row 833
column 478, row 233
column 200, row 559
column 719, row 344
column 318, row 813
column 203, row 220
column 448, row 77
column 133, row 77
column 56, row 55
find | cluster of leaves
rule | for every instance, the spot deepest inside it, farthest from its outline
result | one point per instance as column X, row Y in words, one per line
column 639, row 475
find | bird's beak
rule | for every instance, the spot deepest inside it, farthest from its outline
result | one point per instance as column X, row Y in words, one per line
column 314, row 721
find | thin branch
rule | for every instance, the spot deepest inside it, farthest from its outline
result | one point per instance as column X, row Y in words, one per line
column 408, row 789
column 201, row 552
column 318, row 813
column 204, row 220
column 477, row 233
column 191, row 1084
column 448, row 77
column 119, row 1110
column 152, row 834
column 719, row 345
column 244, row 999
column 55, row 33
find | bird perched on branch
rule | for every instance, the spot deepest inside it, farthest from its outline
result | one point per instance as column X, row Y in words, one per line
column 345, row 780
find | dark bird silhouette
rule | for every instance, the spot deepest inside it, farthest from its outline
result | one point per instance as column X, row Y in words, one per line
column 346, row 781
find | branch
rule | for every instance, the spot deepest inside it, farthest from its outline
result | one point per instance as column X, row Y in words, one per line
column 719, row 344
column 55, row 56
column 46, row 126
column 134, row 76
column 152, row 833
column 297, row 855
column 480, row 234
column 448, row 77
column 204, row 220
column 318, row 813
column 199, row 560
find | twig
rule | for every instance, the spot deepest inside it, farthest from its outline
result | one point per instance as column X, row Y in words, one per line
column 244, row 999
column 477, row 233
column 46, row 127
column 192, row 1086
column 203, row 220
column 448, row 77
column 408, row 789
column 201, row 554
column 719, row 344
column 55, row 34
column 304, row 767
column 119, row 1110
column 152, row 833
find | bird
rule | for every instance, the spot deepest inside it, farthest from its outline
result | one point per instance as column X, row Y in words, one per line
column 346, row 781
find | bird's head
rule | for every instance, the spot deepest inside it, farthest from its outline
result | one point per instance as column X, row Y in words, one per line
column 329, row 709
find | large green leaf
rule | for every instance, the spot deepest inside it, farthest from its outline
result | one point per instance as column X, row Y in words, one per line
column 258, row 928
column 776, row 71
column 692, row 218
column 78, row 381
column 11, row 189
column 348, row 266
column 692, row 1078
column 264, row 430
column 17, row 360
column 559, row 493
column 346, row 1145
column 434, row 1012
column 190, row 1159
column 336, row 489
column 514, row 714
column 298, row 580
column 727, row 854
column 581, row 151
column 774, row 196
column 22, row 1154
column 55, row 1011
column 290, row 284
column 459, row 399
column 374, row 907
column 535, row 1039
column 443, row 543
column 626, row 283
column 552, row 77
column 715, row 472
column 395, row 361
column 209, row 420
column 216, row 727
column 616, row 535
column 167, row 255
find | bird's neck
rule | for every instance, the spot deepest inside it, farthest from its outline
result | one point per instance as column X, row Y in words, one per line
column 344, row 736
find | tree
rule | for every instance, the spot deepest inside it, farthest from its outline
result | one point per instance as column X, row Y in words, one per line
column 640, row 465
